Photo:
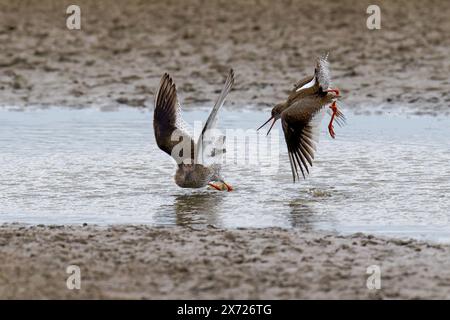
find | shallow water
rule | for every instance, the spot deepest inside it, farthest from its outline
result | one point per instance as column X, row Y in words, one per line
column 383, row 174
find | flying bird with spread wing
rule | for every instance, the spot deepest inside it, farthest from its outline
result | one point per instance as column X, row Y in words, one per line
column 302, row 113
column 173, row 138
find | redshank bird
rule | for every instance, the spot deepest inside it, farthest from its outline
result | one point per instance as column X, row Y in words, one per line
column 301, row 114
column 173, row 138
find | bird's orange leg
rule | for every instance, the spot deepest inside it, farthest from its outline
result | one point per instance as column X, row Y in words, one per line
column 214, row 186
column 229, row 188
column 334, row 110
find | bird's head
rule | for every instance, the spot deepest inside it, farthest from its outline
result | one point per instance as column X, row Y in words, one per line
column 276, row 114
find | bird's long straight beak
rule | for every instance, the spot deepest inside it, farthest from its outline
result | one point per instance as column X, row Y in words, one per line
column 265, row 123
column 271, row 126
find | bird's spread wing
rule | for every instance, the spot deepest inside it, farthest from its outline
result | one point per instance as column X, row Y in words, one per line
column 301, row 131
column 170, row 132
column 211, row 143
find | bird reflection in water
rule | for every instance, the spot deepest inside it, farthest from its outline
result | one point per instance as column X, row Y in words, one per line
column 198, row 209
column 302, row 215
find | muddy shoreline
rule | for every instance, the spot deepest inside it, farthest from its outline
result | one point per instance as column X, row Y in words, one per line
column 142, row 262
column 119, row 55
column 118, row 58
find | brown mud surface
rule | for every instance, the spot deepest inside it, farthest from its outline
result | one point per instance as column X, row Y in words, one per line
column 175, row 262
column 123, row 48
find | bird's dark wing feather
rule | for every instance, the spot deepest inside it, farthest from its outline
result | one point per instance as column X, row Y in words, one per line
column 300, row 126
column 167, row 119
